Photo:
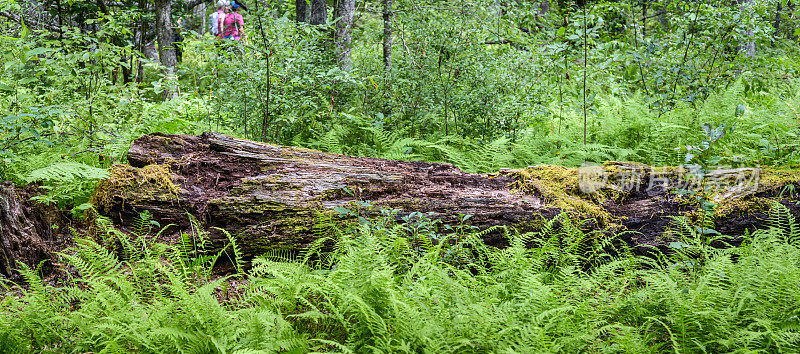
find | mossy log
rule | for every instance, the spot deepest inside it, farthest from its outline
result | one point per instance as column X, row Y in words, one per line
column 271, row 197
column 29, row 232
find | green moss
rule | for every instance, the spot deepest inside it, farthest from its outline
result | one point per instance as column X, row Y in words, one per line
column 126, row 182
column 273, row 182
column 558, row 187
column 535, row 224
column 742, row 206
column 332, row 194
column 768, row 185
column 412, row 204
column 253, row 206
column 775, row 179
column 744, row 192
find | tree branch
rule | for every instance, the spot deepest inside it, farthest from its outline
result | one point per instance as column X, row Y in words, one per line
column 190, row 4
column 29, row 23
column 509, row 42
column 654, row 15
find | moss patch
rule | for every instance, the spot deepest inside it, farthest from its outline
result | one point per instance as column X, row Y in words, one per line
column 742, row 206
column 123, row 181
column 774, row 179
column 236, row 206
column 558, row 186
column 762, row 191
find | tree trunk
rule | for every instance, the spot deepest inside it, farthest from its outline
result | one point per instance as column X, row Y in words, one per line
column 199, row 12
column 544, row 7
column 61, row 25
column 125, row 67
column 644, row 20
column 29, row 232
column 166, row 47
column 661, row 16
column 345, row 12
column 272, row 197
column 776, row 25
column 749, row 46
column 388, row 16
column 302, row 11
column 140, row 38
column 319, row 12
column 790, row 6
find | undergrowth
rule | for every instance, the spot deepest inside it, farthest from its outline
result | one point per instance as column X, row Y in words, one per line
column 623, row 130
column 383, row 286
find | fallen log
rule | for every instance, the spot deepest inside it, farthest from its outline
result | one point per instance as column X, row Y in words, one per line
column 270, row 197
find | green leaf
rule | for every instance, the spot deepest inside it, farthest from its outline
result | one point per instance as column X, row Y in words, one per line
column 25, row 31
column 83, row 207
column 740, row 110
column 677, row 245
column 707, row 231
column 37, row 51
column 342, row 211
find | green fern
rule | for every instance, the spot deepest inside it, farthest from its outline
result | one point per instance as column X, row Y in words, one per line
column 783, row 224
column 558, row 289
column 66, row 182
column 66, row 171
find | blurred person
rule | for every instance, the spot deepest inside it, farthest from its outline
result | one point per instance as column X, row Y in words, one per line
column 218, row 17
column 234, row 23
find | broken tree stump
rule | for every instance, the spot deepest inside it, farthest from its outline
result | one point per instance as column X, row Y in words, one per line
column 270, row 196
column 29, row 232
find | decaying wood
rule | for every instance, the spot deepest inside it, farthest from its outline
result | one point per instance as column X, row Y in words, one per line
column 271, row 196
column 29, row 232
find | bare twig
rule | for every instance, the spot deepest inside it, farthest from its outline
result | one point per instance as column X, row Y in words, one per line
column 29, row 22
column 509, row 42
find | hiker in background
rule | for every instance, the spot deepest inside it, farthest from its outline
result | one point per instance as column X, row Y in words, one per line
column 234, row 23
column 217, row 17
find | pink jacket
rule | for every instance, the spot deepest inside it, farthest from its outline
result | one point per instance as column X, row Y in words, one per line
column 231, row 20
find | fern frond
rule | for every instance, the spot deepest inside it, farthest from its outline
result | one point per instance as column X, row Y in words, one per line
column 783, row 224
column 66, row 171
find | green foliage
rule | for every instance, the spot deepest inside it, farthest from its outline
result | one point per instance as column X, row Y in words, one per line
column 405, row 287
column 480, row 84
column 65, row 118
column 66, row 181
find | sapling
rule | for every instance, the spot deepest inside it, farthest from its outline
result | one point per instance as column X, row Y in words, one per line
column 698, row 160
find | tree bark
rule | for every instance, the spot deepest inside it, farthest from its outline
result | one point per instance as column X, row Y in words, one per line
column 776, row 25
column 388, row 16
column 544, row 7
column 790, row 6
column 29, row 232
column 749, row 45
column 644, row 19
column 273, row 197
column 140, row 38
column 319, row 12
column 345, row 12
column 199, row 12
column 302, row 11
column 166, row 47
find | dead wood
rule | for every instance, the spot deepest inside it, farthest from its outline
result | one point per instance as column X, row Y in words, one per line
column 29, row 232
column 271, row 197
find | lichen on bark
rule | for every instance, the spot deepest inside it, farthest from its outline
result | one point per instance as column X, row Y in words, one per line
column 268, row 196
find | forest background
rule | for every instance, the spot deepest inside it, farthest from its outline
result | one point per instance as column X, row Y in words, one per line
column 482, row 84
